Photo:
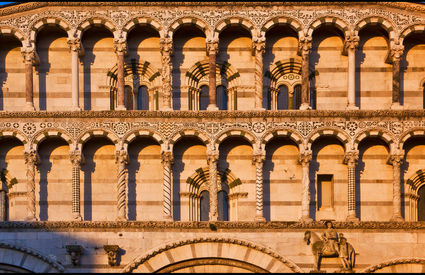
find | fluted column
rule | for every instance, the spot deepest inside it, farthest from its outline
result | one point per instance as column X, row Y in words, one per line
column 212, row 159
column 76, row 160
column 304, row 50
column 350, row 159
column 351, row 44
column 259, row 47
column 305, row 158
column 166, row 46
column 31, row 160
column 167, row 160
column 212, row 50
column 121, row 158
column 396, row 159
column 396, row 54
column 29, row 59
column 75, row 47
column 258, row 159
column 120, row 48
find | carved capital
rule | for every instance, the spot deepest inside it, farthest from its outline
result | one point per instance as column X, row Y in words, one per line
column 259, row 154
column 120, row 46
column 29, row 55
column 76, row 157
column 167, row 157
column 112, row 252
column 212, row 46
column 304, row 45
column 121, row 157
column 351, row 42
column 75, row 252
column 212, row 156
column 31, row 157
column 74, row 44
column 305, row 157
column 166, row 46
column 396, row 159
column 351, row 158
column 396, row 52
column 259, row 45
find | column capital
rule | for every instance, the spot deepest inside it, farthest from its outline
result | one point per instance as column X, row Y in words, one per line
column 212, row 155
column 351, row 42
column 396, row 158
column 396, row 52
column 167, row 157
column 74, row 44
column 305, row 157
column 31, row 157
column 259, row 155
column 166, row 45
column 121, row 156
column 120, row 46
column 29, row 55
column 304, row 45
column 76, row 157
column 259, row 45
column 351, row 158
column 212, row 46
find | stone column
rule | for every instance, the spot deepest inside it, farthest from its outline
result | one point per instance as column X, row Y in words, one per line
column 3, row 205
column 259, row 47
column 212, row 50
column 396, row 160
column 121, row 158
column 75, row 47
column 350, row 45
column 350, row 159
column 29, row 59
column 304, row 49
column 120, row 48
column 258, row 159
column 305, row 158
column 167, row 160
column 212, row 159
column 31, row 160
column 76, row 160
column 396, row 54
column 166, row 46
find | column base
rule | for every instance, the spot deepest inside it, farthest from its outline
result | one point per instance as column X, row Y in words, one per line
column 168, row 218
column 121, row 219
column 166, row 109
column 77, row 109
column 77, row 217
column 212, row 107
column 213, row 219
column 351, row 218
column 29, row 106
column 352, row 107
column 396, row 218
column 259, row 218
column 121, row 108
column 306, row 219
column 396, row 106
column 259, row 109
column 31, row 219
column 305, row 106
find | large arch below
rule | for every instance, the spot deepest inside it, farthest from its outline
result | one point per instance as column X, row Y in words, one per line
column 401, row 265
column 212, row 254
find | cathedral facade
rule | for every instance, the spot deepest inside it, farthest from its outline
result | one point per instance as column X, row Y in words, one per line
column 212, row 137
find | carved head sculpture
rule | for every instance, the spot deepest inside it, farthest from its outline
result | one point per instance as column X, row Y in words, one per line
column 329, row 224
column 307, row 236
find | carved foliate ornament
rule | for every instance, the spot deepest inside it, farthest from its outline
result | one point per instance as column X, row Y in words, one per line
column 112, row 252
column 167, row 157
column 351, row 158
column 120, row 46
column 351, row 42
column 305, row 157
column 396, row 52
column 75, row 252
column 212, row 155
column 74, row 44
column 76, row 157
column 212, row 46
column 259, row 45
column 166, row 46
column 29, row 55
column 304, row 45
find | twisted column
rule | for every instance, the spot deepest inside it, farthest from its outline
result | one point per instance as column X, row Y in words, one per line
column 396, row 54
column 396, row 159
column 304, row 49
column 350, row 159
column 121, row 158
column 305, row 158
column 76, row 160
column 212, row 49
column 29, row 59
column 258, row 159
column 259, row 47
column 167, row 160
column 31, row 160
column 212, row 159
column 350, row 45
column 120, row 48
column 166, row 47
column 75, row 47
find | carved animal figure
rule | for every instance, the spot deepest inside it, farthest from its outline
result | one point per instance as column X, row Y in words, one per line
column 320, row 249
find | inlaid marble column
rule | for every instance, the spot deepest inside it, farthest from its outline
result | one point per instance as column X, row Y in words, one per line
column 212, row 159
column 121, row 158
column 76, row 160
column 31, row 160
column 259, row 46
column 120, row 48
column 166, row 46
column 304, row 49
column 167, row 160
column 396, row 54
column 29, row 59
column 396, row 159
column 75, row 47
column 351, row 44
column 351, row 159
column 258, row 160
column 305, row 158
column 212, row 50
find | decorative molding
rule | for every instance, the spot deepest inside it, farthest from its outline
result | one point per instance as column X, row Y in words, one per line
column 393, row 262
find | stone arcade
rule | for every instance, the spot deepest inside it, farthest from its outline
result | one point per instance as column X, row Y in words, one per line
column 212, row 136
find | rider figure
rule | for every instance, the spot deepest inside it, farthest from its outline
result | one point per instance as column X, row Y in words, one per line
column 343, row 251
column 330, row 237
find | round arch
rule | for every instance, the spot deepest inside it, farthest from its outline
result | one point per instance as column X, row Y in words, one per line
column 189, row 133
column 400, row 265
column 282, row 20
column 236, row 21
column 376, row 20
column 143, row 21
column 96, row 21
column 235, row 133
column 286, row 133
column 379, row 133
column 409, row 134
column 46, row 133
column 47, row 21
column 130, row 137
column 416, row 28
column 199, row 23
column 336, row 133
column 83, row 138
column 14, row 134
column 7, row 30
column 216, row 251
column 328, row 21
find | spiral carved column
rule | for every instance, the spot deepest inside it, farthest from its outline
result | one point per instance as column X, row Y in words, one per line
column 212, row 159
column 305, row 158
column 166, row 46
column 31, row 160
column 396, row 160
column 259, row 47
column 258, row 159
column 167, row 160
column 121, row 158
column 396, row 54
column 76, row 160
column 351, row 160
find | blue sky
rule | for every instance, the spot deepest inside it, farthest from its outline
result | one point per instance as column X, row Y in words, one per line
column 4, row 3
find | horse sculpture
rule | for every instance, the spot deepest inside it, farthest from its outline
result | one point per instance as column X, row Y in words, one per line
column 321, row 248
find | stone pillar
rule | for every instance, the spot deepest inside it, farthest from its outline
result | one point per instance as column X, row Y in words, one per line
column 350, row 159
column 304, row 50
column 31, row 160
column 75, row 47
column 259, row 47
column 120, row 48
column 167, row 160
column 396, row 54
column 76, row 160
column 212, row 50
column 3, row 203
column 350, row 45
column 305, row 158
column 258, row 159
column 29, row 59
column 396, row 159
column 212, row 159
column 166, row 46
column 121, row 158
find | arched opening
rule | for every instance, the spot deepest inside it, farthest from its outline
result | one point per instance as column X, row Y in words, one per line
column 221, row 97
column 297, row 97
column 203, row 97
column 421, row 203
column 143, row 98
column 204, row 206
column 223, row 206
column 129, row 98
column 282, row 98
